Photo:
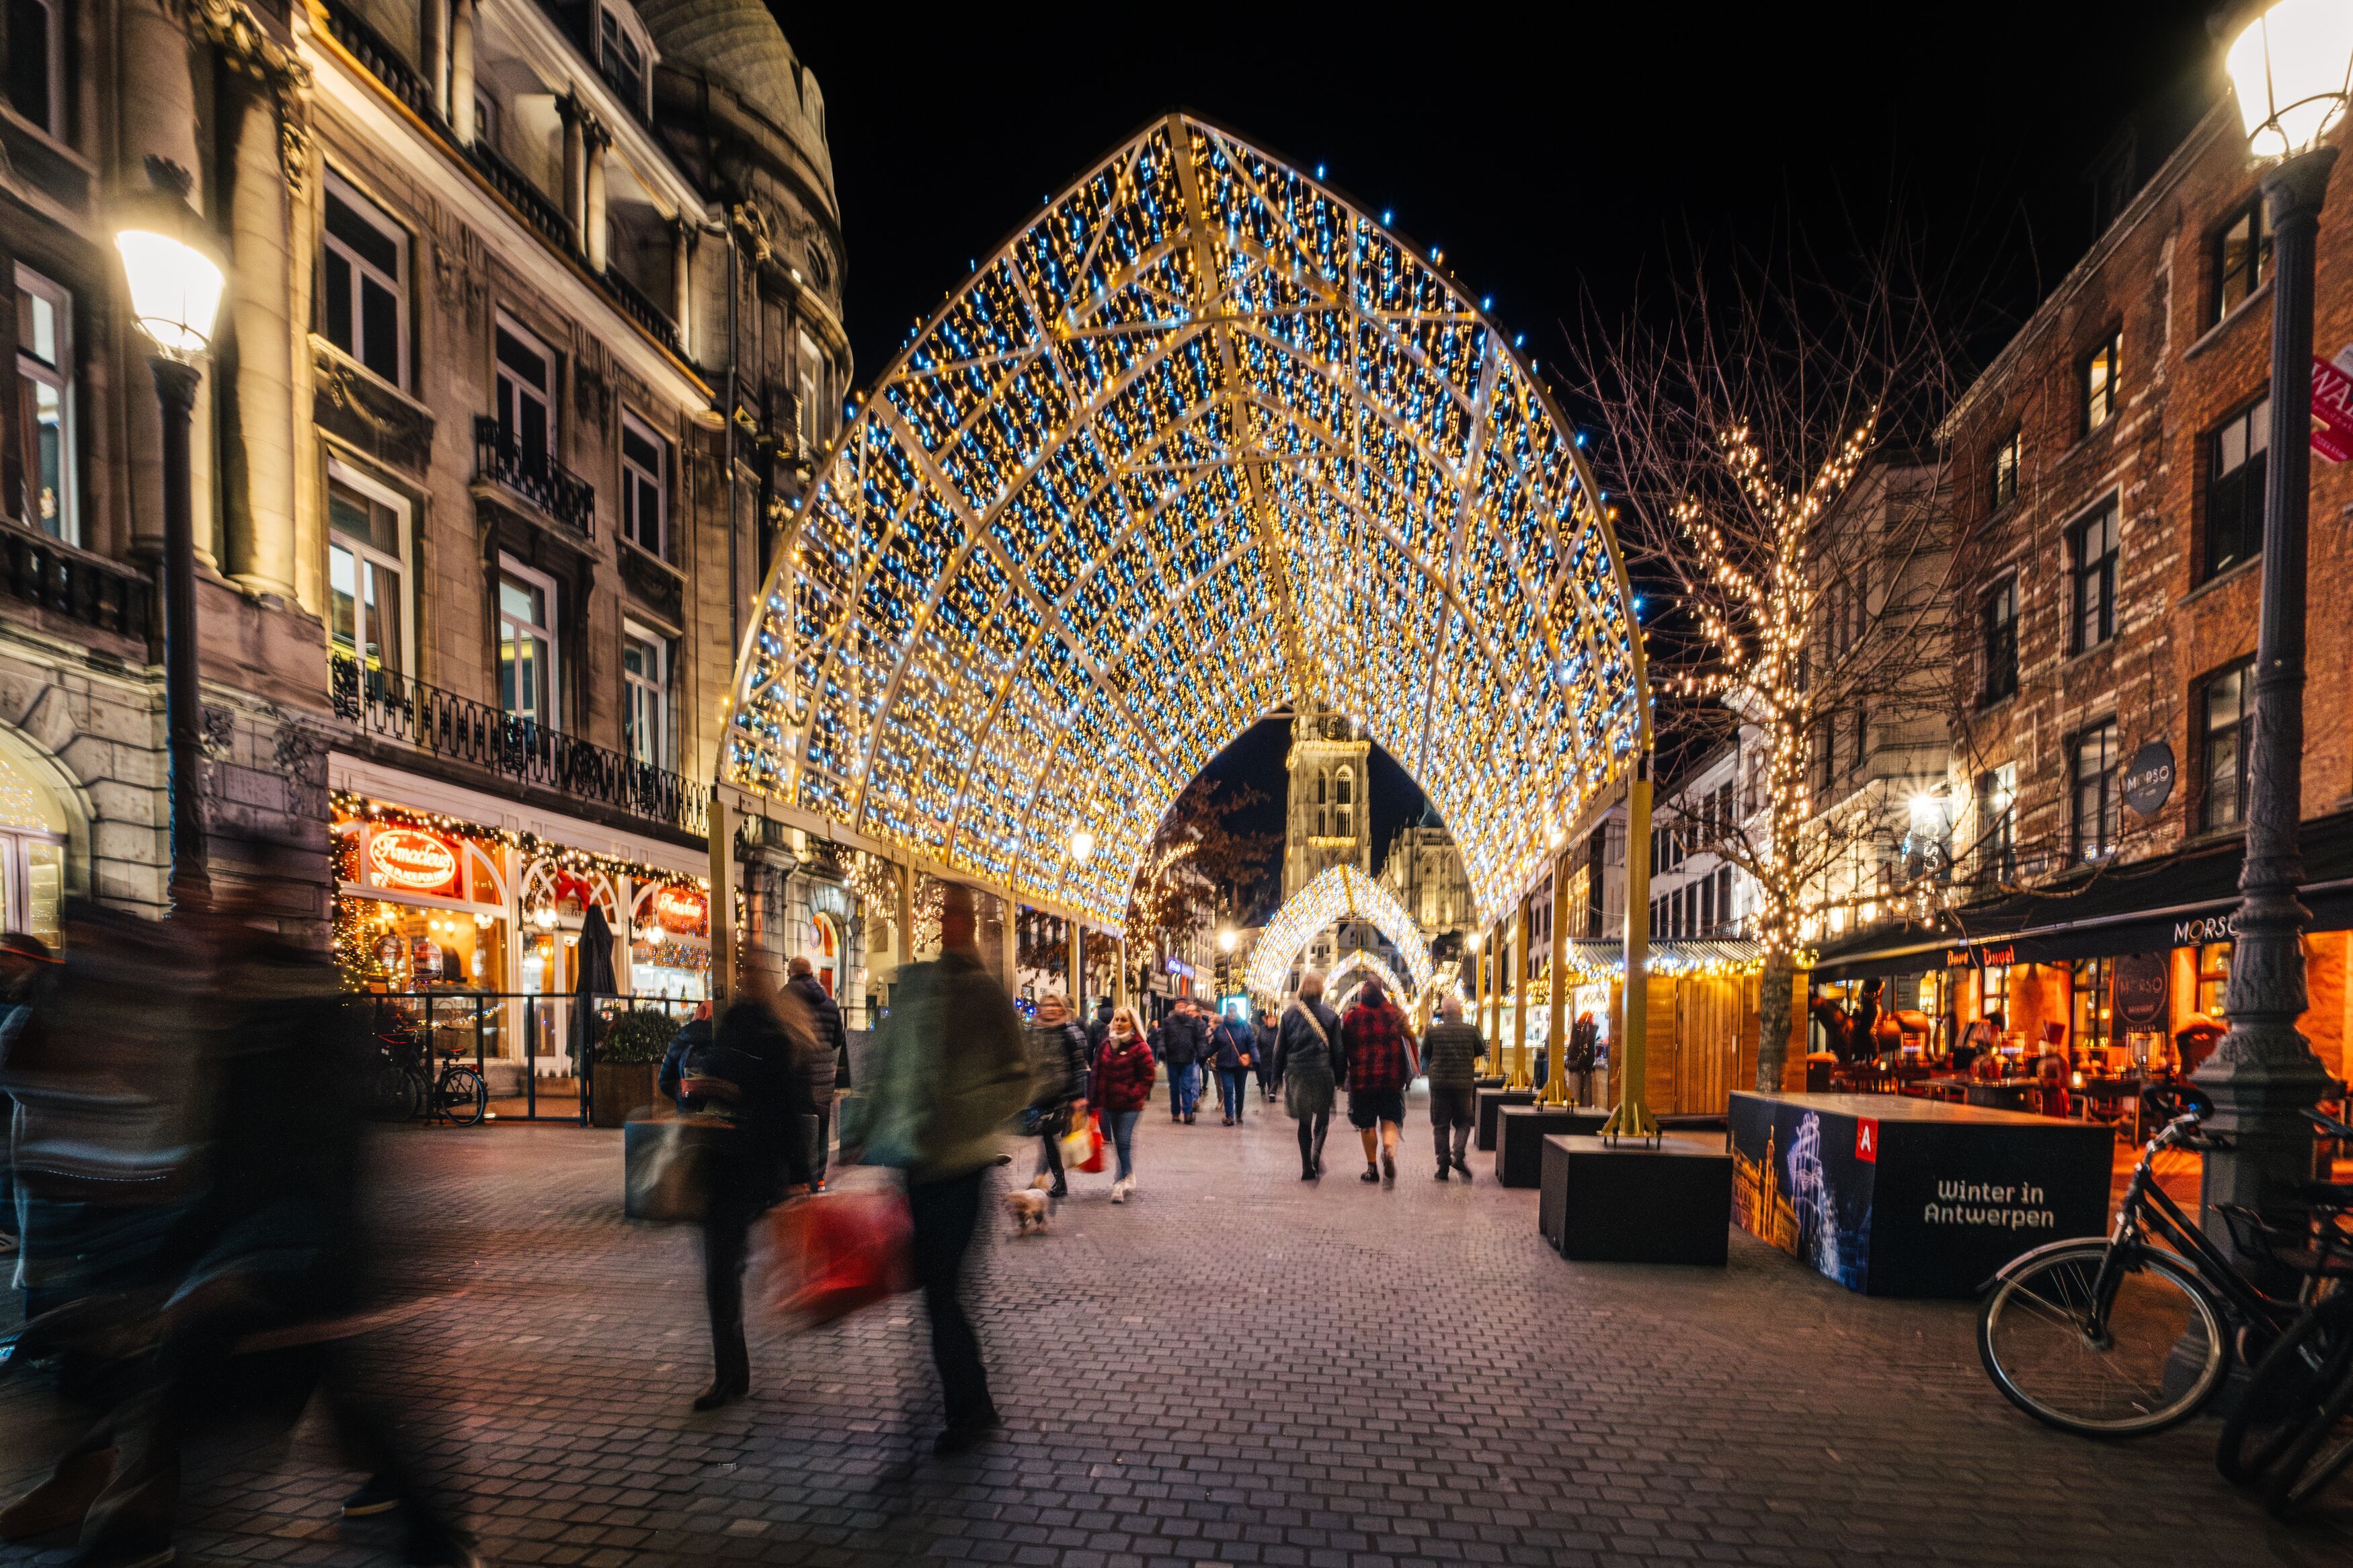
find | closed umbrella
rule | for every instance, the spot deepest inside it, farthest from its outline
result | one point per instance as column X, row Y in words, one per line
column 595, row 979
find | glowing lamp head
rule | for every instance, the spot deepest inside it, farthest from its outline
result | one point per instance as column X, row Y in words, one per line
column 1083, row 846
column 175, row 290
column 2292, row 69
column 1226, row 940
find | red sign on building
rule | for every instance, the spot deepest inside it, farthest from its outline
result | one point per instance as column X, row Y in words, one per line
column 1866, row 1140
column 2332, row 411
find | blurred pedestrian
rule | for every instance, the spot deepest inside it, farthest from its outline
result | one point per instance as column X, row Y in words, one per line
column 1233, row 1046
column 1263, row 1032
column 752, row 1077
column 25, row 965
column 694, row 1034
column 828, row 1061
column 1307, row 1062
column 1124, row 1072
column 1449, row 1053
column 1584, row 1042
column 1377, row 1048
column 1100, row 1026
column 1058, row 1070
column 947, row 1070
column 1183, row 1043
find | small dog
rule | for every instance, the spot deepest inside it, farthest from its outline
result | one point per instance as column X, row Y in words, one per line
column 1031, row 1206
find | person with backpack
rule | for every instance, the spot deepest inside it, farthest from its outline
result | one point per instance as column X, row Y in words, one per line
column 827, row 1060
column 1233, row 1046
column 1307, row 1062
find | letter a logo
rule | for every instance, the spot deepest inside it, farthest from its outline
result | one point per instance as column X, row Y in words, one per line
column 1866, row 1140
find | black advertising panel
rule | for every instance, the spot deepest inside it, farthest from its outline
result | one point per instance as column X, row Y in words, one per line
column 1892, row 1196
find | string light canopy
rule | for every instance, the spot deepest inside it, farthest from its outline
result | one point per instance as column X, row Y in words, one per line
column 1338, row 893
column 1369, row 967
column 1201, row 440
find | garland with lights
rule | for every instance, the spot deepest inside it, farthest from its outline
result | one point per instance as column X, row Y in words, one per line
column 1338, row 893
column 352, row 807
column 1200, row 393
column 1373, row 968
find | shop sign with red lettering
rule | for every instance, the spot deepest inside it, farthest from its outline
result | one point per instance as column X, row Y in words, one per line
column 411, row 861
column 682, row 912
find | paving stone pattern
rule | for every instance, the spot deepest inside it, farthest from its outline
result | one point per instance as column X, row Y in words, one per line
column 1235, row 1367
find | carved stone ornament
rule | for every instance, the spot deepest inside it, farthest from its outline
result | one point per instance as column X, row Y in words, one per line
column 247, row 48
column 353, row 405
column 758, row 234
column 654, row 585
column 220, row 732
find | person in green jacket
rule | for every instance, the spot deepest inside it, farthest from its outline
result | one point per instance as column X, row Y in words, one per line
column 948, row 1068
column 1450, row 1051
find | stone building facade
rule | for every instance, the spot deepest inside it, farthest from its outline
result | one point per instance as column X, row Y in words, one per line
column 2109, row 527
column 1425, row 871
column 534, row 325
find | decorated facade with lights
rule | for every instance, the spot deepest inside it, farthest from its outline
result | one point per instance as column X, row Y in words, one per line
column 1200, row 389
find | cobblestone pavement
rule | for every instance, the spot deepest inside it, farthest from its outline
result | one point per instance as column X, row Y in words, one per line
column 1236, row 1367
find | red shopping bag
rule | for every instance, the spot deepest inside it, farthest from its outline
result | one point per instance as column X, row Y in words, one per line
column 1094, row 1163
column 839, row 1251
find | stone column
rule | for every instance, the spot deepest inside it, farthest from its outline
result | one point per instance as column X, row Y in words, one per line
column 257, row 361
column 597, row 140
column 461, row 71
column 681, row 281
column 766, row 918
column 576, row 164
column 159, row 120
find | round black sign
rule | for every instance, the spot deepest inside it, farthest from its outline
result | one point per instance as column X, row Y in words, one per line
column 2149, row 778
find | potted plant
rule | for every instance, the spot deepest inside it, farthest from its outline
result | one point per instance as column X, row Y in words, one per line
column 623, row 1080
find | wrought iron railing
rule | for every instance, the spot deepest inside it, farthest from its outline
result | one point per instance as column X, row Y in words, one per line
column 641, row 308
column 513, row 1038
column 539, row 480
column 75, row 584
column 385, row 703
column 516, row 187
column 383, row 62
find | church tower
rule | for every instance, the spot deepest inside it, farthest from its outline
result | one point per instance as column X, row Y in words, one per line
column 1330, row 818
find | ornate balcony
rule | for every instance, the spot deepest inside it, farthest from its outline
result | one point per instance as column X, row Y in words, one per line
column 543, row 482
column 391, row 707
column 71, row 583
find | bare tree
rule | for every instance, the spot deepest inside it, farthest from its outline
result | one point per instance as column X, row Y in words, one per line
column 1197, row 869
column 1768, row 439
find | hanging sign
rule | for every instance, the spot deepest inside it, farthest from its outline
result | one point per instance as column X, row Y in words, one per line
column 2332, row 410
column 2149, row 778
column 2142, row 981
column 682, row 912
column 411, row 861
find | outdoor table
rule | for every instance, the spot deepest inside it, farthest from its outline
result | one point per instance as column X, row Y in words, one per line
column 2008, row 1094
column 1489, row 1102
column 1893, row 1195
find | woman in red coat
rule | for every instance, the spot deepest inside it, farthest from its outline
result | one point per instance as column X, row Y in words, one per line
column 1124, row 1073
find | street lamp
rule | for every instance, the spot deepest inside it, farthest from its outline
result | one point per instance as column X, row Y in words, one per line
column 1226, row 940
column 175, row 292
column 2292, row 67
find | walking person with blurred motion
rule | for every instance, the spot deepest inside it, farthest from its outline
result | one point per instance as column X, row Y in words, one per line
column 1378, row 1048
column 1058, row 1068
column 1233, row 1046
column 947, row 1069
column 827, row 1061
column 1124, row 1072
column 754, row 1074
column 1262, row 1033
column 1183, row 1043
column 1451, row 1054
column 1307, row 1063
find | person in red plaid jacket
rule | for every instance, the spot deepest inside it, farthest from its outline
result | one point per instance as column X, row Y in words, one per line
column 1376, row 1046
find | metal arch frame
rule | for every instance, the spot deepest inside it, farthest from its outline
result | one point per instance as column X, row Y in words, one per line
column 1362, row 899
column 1373, row 970
column 1553, row 494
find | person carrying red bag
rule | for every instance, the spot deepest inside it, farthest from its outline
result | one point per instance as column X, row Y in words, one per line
column 1125, row 1069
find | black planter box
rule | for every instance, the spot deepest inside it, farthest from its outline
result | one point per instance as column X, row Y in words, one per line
column 1519, row 1133
column 1636, row 1202
column 1489, row 1101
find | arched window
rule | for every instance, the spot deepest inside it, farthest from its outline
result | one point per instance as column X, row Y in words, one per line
column 1346, row 791
column 1347, row 785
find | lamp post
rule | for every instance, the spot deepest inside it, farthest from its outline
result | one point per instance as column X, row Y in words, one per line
column 2290, row 66
column 175, row 292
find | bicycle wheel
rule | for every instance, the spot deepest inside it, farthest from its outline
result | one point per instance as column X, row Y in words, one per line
column 392, row 1094
column 2289, row 1386
column 2162, row 1354
column 2322, row 1450
column 462, row 1096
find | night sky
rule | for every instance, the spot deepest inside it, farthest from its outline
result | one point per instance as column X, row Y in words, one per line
column 1561, row 160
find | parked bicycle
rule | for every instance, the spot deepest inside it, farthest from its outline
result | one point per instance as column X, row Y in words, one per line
column 2128, row 1335
column 2291, row 1432
column 406, row 1086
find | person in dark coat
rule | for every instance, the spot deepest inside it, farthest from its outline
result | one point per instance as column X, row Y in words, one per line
column 1182, row 1042
column 754, row 1074
column 1099, row 1028
column 1307, row 1061
column 1233, row 1046
column 1059, row 1063
column 828, row 1062
column 1450, row 1051
column 1377, row 1044
column 690, row 1037
column 1262, row 1060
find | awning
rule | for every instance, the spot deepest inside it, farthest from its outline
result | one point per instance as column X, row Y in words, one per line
column 2180, row 900
column 1588, row 962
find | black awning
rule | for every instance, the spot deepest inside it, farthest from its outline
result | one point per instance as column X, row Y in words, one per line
column 2180, row 900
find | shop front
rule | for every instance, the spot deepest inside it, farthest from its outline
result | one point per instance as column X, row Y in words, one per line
column 466, row 927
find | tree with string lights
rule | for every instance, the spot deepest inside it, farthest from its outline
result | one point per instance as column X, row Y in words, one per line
column 1769, row 443
column 1196, row 873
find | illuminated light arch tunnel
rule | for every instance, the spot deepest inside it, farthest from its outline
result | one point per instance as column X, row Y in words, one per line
column 1201, row 440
